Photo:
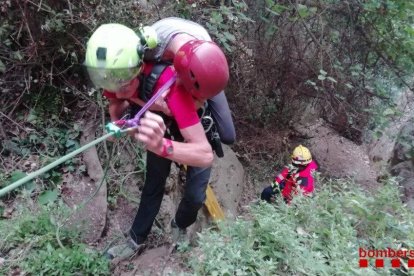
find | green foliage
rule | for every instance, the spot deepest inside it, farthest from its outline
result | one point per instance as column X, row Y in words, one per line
column 391, row 25
column 37, row 243
column 17, row 175
column 222, row 21
column 66, row 261
column 47, row 102
column 312, row 236
column 263, row 109
column 3, row 178
column 48, row 196
column 49, row 144
column 350, row 59
column 52, row 141
column 25, row 227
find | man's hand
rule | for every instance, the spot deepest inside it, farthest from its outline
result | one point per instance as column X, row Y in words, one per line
column 151, row 130
column 161, row 105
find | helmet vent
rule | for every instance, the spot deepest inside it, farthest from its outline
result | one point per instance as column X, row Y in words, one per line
column 197, row 86
column 101, row 53
column 192, row 75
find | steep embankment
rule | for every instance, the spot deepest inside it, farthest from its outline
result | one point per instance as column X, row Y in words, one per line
column 337, row 156
column 392, row 152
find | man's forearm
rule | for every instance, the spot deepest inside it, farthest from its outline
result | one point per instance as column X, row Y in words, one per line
column 116, row 109
column 190, row 154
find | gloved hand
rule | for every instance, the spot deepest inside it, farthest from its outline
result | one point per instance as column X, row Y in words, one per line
column 278, row 187
column 296, row 180
column 292, row 170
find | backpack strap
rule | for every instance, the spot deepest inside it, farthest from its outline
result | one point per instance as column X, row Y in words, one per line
column 149, row 81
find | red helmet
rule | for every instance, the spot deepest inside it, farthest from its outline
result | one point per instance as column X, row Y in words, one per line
column 202, row 67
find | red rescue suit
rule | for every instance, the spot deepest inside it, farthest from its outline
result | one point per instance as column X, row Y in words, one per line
column 292, row 176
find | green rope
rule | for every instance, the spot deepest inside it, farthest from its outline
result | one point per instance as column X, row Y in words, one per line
column 59, row 161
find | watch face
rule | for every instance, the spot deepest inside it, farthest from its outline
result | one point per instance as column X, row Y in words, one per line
column 167, row 148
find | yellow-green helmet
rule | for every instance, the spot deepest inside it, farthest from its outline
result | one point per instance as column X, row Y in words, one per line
column 114, row 55
column 150, row 36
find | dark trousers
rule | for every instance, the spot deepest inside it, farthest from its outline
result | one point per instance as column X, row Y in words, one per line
column 268, row 193
column 158, row 169
column 220, row 111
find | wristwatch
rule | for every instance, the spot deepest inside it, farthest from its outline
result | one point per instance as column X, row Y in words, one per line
column 167, row 147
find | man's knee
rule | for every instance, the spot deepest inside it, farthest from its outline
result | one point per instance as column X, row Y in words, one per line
column 227, row 137
column 196, row 200
column 196, row 184
column 196, row 204
column 267, row 194
column 188, row 209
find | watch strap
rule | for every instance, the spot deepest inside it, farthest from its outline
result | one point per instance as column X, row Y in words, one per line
column 167, row 147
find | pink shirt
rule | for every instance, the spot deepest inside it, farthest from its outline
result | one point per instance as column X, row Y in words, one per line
column 179, row 101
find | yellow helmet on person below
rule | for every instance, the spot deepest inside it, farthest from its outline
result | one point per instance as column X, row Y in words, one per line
column 114, row 54
column 301, row 155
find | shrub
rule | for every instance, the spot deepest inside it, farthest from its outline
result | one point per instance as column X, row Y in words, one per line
column 36, row 243
column 312, row 236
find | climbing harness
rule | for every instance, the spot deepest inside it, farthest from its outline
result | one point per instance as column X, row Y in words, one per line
column 206, row 117
column 210, row 129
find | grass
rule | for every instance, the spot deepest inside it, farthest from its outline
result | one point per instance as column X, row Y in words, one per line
column 37, row 243
column 312, row 236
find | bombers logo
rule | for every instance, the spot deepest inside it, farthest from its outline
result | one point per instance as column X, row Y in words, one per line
column 396, row 257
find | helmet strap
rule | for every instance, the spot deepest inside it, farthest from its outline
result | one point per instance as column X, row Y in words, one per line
column 141, row 37
column 140, row 51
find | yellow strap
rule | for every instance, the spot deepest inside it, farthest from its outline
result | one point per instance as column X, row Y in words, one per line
column 213, row 206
